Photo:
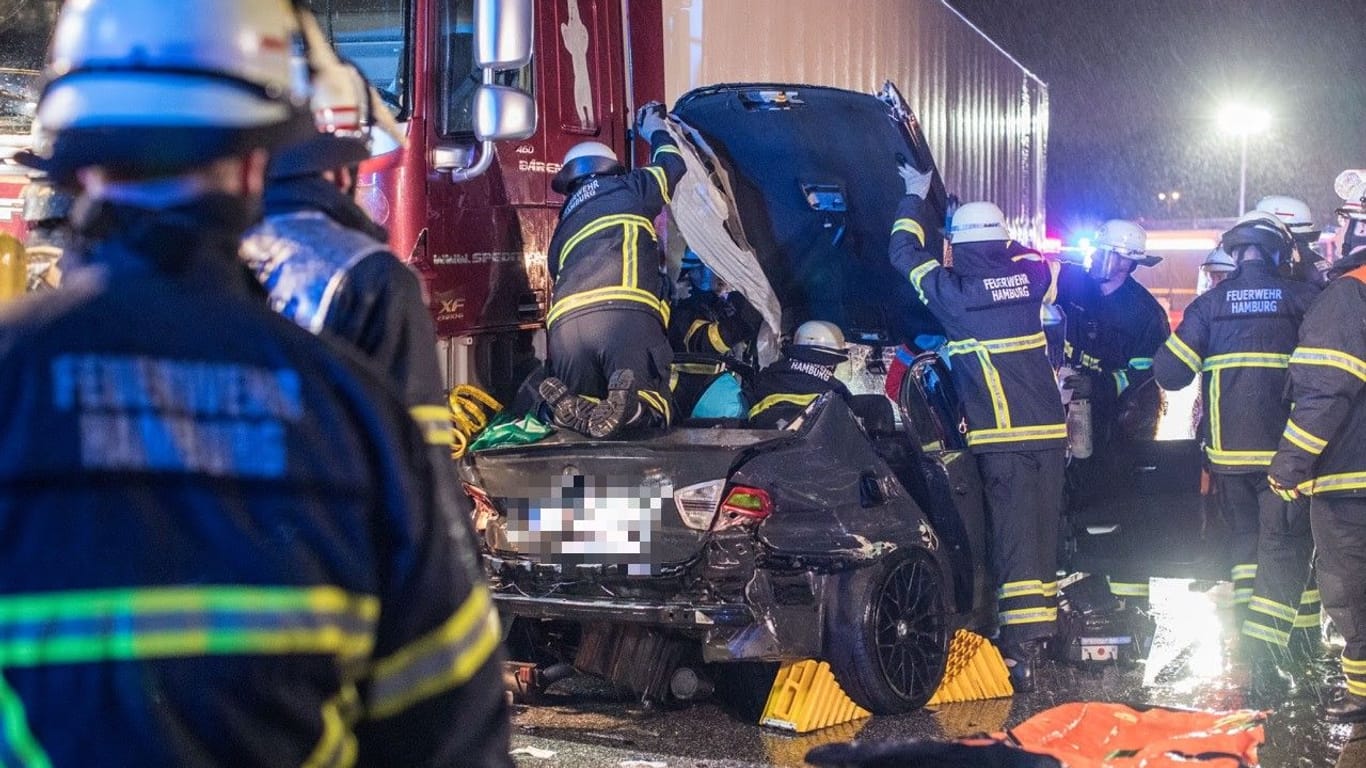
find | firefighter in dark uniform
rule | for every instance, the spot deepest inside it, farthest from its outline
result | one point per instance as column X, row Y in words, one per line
column 224, row 544
column 785, row 389
column 1238, row 337
column 989, row 304
column 1112, row 329
column 327, row 266
column 1323, row 453
column 707, row 321
column 608, row 351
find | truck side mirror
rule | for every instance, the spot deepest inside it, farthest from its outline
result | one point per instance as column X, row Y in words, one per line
column 502, row 113
column 503, row 33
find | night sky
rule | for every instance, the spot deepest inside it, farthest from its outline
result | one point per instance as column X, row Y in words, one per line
column 1134, row 86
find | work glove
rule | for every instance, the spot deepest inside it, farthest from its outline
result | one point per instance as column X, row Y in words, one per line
column 1081, row 386
column 650, row 118
column 1286, row 492
column 917, row 183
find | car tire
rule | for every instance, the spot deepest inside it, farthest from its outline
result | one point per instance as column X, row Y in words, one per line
column 887, row 632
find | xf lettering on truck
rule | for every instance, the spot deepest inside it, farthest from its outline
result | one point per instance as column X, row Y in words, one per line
column 1007, row 288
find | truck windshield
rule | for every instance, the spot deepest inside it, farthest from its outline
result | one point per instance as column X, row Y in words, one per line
column 459, row 77
column 25, row 29
column 374, row 35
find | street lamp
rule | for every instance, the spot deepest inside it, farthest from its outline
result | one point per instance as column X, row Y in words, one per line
column 1170, row 198
column 1242, row 120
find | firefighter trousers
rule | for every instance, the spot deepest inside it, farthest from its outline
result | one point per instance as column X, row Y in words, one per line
column 1285, row 599
column 586, row 348
column 1240, row 505
column 1339, row 526
column 1023, row 493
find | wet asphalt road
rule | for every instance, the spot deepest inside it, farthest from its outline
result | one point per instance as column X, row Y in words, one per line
column 1191, row 665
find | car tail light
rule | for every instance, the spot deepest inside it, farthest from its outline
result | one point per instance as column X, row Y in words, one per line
column 697, row 503
column 484, row 511
column 744, row 504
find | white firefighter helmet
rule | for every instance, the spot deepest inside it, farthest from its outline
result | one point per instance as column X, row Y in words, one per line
column 1264, row 230
column 978, row 222
column 1118, row 245
column 822, row 335
column 1218, row 260
column 348, row 114
column 1293, row 212
column 585, row 159
column 153, row 88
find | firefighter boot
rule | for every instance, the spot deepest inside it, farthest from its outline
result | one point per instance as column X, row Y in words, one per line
column 1021, row 659
column 1347, row 708
column 1270, row 669
column 566, row 409
column 619, row 410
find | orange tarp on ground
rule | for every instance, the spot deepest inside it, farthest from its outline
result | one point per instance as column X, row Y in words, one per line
column 1097, row 735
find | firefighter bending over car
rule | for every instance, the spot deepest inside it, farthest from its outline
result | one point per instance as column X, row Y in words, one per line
column 223, row 543
column 1322, row 453
column 1238, row 338
column 784, row 390
column 1112, row 329
column 608, row 351
column 989, row 303
column 706, row 318
column 326, row 265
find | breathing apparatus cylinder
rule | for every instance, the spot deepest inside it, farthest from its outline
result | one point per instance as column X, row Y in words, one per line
column 1079, row 431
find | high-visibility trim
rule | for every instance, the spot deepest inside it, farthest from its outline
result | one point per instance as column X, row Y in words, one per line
column 1259, row 631
column 1272, row 608
column 1306, row 621
column 337, row 746
column 1129, row 588
column 601, row 295
column 910, row 227
column 1050, row 296
column 657, row 402
column 1050, row 589
column 1141, row 363
column 1027, row 616
column 662, row 178
column 1244, row 571
column 1353, row 667
column 1017, row 434
column 605, row 222
column 665, row 149
column 1331, row 358
column 1019, row 589
column 918, row 275
column 772, row 400
column 16, row 738
column 1242, row 596
column 696, row 326
column 1245, row 360
column 717, row 342
column 1303, row 439
column 1309, row 597
column 1216, row 422
column 445, row 658
column 1183, row 353
column 1239, row 458
column 997, row 346
column 174, row 622
column 435, row 423
column 1346, row 481
column 628, row 257
column 1121, row 381
column 1000, row 406
column 1356, row 687
column 1034, row 257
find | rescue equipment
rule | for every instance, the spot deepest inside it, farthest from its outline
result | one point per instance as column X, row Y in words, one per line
column 471, row 409
column 975, row 671
column 805, row 696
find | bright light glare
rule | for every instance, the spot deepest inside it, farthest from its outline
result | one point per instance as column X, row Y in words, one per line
column 1243, row 119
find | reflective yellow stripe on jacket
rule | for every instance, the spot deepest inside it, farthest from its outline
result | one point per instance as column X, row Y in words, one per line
column 629, row 289
column 1183, row 352
column 1331, row 358
column 984, row 349
column 772, row 400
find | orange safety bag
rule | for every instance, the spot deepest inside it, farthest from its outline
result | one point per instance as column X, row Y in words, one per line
column 1100, row 735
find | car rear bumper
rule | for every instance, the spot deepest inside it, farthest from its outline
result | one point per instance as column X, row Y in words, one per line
column 678, row 615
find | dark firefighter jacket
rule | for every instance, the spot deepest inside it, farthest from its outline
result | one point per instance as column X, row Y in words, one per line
column 1113, row 338
column 1323, row 449
column 222, row 540
column 786, row 388
column 605, row 253
column 989, row 304
column 1238, row 336
column 326, row 266
column 708, row 323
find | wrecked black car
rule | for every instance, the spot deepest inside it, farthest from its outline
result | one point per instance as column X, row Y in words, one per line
column 855, row 536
